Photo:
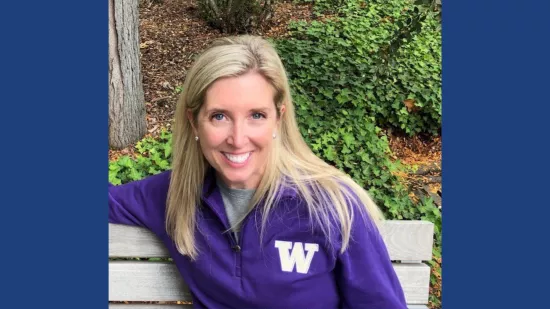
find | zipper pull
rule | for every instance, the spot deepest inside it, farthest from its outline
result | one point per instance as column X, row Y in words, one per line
column 236, row 248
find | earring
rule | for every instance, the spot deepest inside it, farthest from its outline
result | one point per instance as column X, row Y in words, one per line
column 196, row 138
column 274, row 135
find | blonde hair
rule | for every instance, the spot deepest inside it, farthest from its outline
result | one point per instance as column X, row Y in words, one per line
column 321, row 186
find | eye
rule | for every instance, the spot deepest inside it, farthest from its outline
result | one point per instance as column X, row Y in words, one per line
column 258, row 116
column 217, row 116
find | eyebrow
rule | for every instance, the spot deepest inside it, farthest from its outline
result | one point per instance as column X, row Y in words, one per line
column 215, row 110
column 221, row 110
column 262, row 109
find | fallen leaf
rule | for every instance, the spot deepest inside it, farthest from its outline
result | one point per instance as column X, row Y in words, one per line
column 153, row 129
column 409, row 103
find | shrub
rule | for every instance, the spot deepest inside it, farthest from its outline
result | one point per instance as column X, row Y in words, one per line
column 363, row 58
column 347, row 137
column 153, row 157
column 239, row 16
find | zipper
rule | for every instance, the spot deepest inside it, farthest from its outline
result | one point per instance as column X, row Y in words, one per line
column 238, row 256
column 237, row 248
column 234, row 245
column 232, row 240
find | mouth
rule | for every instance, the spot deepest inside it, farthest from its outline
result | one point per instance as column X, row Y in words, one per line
column 237, row 158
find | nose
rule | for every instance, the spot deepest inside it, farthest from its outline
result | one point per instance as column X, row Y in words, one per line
column 237, row 136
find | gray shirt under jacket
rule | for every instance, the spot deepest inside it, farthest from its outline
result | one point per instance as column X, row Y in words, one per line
column 235, row 202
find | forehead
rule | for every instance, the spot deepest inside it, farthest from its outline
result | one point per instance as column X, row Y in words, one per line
column 249, row 91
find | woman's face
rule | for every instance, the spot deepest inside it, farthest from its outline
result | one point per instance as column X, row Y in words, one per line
column 235, row 127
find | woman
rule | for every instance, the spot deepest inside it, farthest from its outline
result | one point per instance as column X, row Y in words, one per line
column 251, row 217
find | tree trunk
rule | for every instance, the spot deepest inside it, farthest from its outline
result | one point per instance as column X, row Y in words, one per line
column 127, row 122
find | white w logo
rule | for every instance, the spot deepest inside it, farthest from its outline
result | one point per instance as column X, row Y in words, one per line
column 297, row 256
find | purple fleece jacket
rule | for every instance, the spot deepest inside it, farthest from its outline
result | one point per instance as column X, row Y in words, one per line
column 290, row 267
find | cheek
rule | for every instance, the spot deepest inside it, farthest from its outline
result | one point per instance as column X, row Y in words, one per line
column 262, row 137
column 212, row 138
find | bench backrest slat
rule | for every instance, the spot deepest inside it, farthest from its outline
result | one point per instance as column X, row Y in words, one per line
column 161, row 281
column 131, row 241
column 146, row 281
column 406, row 241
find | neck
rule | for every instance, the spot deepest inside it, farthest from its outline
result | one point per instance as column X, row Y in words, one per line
column 223, row 183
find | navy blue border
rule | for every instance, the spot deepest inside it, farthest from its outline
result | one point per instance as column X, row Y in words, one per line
column 54, row 94
column 495, row 153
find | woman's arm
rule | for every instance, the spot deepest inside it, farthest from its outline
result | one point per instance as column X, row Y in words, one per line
column 364, row 272
column 141, row 203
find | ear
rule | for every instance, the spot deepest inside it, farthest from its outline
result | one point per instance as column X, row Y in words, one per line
column 192, row 121
column 281, row 112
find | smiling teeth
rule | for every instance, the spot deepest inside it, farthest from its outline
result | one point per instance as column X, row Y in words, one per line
column 237, row 159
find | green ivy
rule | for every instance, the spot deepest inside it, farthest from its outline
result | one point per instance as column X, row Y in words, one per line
column 372, row 55
column 153, row 156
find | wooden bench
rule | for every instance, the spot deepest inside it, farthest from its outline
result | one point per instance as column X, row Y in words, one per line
column 409, row 244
